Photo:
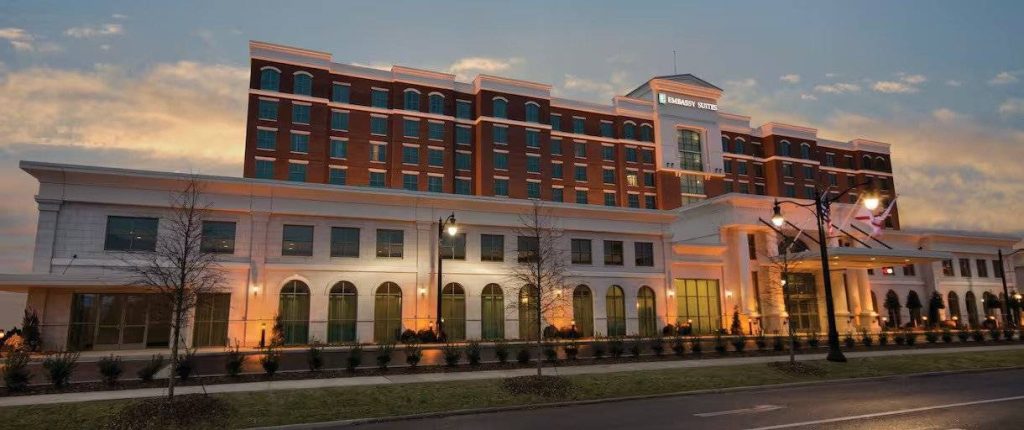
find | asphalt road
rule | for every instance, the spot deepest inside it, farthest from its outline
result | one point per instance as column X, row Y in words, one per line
column 965, row 401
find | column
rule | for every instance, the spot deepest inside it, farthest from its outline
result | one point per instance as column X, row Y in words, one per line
column 853, row 297
column 839, row 301
column 424, row 311
column 747, row 298
column 868, row 312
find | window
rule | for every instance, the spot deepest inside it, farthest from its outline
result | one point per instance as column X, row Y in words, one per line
column 303, row 84
column 501, row 187
column 646, row 133
column 608, row 176
column 532, row 112
column 293, row 309
column 410, row 128
column 377, row 179
column 532, row 190
column 453, row 247
column 462, row 161
column 558, row 194
column 435, row 157
column 997, row 268
column 787, row 170
column 615, row 310
column 492, row 312
column 379, row 125
column 648, row 179
column 390, row 243
column 341, row 93
column 270, row 79
column 741, row 167
column 387, row 312
column 631, row 156
column 833, row 179
column 436, row 104
column 378, row 152
column 501, row 161
column 379, row 98
column 728, row 186
column 744, row 188
column 613, row 253
column 435, row 130
column 499, row 108
column 339, row 120
column 608, row 153
column 690, row 150
column 631, row 179
column 581, row 251
column 339, row 148
column 629, row 131
column 527, row 249
column 648, row 156
column 434, row 184
column 865, row 163
column 300, row 143
column 492, row 247
column 698, row 305
column 556, row 146
column 830, row 160
column 581, row 196
column 557, row 172
column 808, row 172
column 344, row 242
column 909, row 270
column 739, row 149
column 580, row 149
column 982, row 268
column 341, row 313
column 336, row 176
column 131, row 234
column 606, row 129
column 633, row 200
column 805, row 151
column 580, row 173
column 268, row 109
column 532, row 139
column 297, row 172
column 947, row 268
column 300, row 114
column 410, row 155
column 499, row 135
column 691, row 184
column 297, row 240
column 411, row 182
column 727, row 165
column 965, row 267
column 725, row 143
column 751, row 247
column 808, row 192
column 784, row 148
column 650, row 202
column 211, row 319
column 463, row 109
column 646, row 312
column 790, row 190
column 463, row 186
column 266, row 139
column 462, row 135
column 265, row 169
column 609, row 199
column 577, row 125
column 533, row 164
column 556, row 122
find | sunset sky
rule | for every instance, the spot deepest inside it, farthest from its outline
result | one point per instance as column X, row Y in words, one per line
column 163, row 86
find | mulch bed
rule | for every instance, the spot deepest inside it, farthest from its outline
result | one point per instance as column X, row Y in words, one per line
column 797, row 368
column 183, row 411
column 544, row 386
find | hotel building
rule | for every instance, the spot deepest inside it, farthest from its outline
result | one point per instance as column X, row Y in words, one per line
column 660, row 198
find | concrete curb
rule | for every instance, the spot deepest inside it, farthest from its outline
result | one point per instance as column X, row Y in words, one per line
column 458, row 412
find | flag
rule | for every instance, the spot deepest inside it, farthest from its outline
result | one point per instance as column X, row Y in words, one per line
column 876, row 222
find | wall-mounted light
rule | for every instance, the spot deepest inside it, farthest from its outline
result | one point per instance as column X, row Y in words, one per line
column 671, row 293
column 423, row 292
column 728, row 293
column 255, row 289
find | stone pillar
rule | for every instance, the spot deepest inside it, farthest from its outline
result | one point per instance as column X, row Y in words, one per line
column 839, row 301
column 424, row 309
column 747, row 298
column 46, row 234
column 853, row 297
column 868, row 314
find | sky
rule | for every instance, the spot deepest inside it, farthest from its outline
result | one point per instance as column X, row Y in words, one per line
column 163, row 85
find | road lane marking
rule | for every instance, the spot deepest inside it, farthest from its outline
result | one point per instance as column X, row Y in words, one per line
column 889, row 413
column 753, row 410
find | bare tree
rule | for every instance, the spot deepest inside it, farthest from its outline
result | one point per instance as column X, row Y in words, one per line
column 179, row 269
column 776, row 294
column 542, row 270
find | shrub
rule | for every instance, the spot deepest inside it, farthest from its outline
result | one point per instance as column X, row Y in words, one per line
column 900, row 338
column 813, row 340
column 60, row 366
column 719, row 344
column 16, row 374
column 571, row 350
column 384, row 351
column 678, row 345
column 977, row 335
column 883, row 338
column 315, row 357
column 994, row 334
column 739, row 343
column 947, row 335
column 551, row 332
column 849, row 341
column 473, row 353
column 616, row 347
column 598, row 349
column 30, row 330
column 413, row 354
column 354, row 358
column 501, row 350
column 963, row 335
column 657, row 345
column 635, row 348
column 669, row 330
column 523, row 355
column 911, row 337
column 761, row 342
column 271, row 361
column 110, row 368
column 452, row 354
column 796, row 342
column 186, row 364
column 778, row 344
column 866, row 339
column 931, row 336
column 1008, row 334
column 408, row 336
column 427, row 336
column 148, row 371
column 549, row 351
column 235, row 361
column 695, row 346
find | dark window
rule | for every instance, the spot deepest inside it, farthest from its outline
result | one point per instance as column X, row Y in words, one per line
column 909, row 270
column 752, row 247
column 965, row 267
column 644, row 253
column 130, row 234
column 453, row 247
column 947, row 268
column 982, row 268
column 613, row 253
column 297, row 240
column 997, row 268
column 581, row 251
column 527, row 249
column 218, row 237
column 492, row 247
column 390, row 243
column 344, row 242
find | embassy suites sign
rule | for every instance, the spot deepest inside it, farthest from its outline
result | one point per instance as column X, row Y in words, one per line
column 673, row 100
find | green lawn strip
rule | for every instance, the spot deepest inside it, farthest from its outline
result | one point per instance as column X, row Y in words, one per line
column 327, row 404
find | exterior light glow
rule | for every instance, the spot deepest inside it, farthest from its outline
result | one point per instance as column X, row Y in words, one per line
column 777, row 218
column 728, row 293
column 871, row 202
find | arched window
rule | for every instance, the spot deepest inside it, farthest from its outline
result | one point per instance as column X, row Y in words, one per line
column 989, row 303
column 341, row 313
column 738, row 148
column 647, row 133
column 387, row 313
column 615, row 309
column 953, row 303
column 293, row 312
column 529, row 323
column 303, row 84
column 583, row 310
column 499, row 108
column 647, row 312
column 629, row 130
column 865, row 163
column 270, row 79
column 880, row 164
column 492, row 312
column 532, row 112
column 892, row 306
column 914, row 306
column 725, row 144
column 784, row 149
column 972, row 309
column 805, row 151
column 412, row 99
column 437, row 104
column 453, row 311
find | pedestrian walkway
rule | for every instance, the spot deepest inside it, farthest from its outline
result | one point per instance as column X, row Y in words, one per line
column 464, row 376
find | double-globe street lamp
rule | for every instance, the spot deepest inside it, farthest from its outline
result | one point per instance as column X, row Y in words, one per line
column 452, row 228
column 822, row 207
column 1006, row 294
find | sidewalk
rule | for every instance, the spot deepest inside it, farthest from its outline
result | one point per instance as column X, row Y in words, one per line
column 464, row 376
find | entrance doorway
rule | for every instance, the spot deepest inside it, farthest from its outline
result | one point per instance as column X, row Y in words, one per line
column 802, row 302
column 119, row 321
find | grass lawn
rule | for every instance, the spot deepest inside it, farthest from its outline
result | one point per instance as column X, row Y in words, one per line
column 313, row 405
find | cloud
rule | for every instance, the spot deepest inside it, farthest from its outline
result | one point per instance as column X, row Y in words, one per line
column 23, row 41
column 945, row 115
column 1012, row 107
column 811, row 97
column 953, row 83
column 742, row 83
column 86, row 32
column 119, row 16
column 892, row 87
column 837, row 88
column 1004, row 78
column 790, row 78
column 593, row 90
column 465, row 68
column 913, row 79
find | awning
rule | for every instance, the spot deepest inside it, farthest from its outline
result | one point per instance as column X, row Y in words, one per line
column 868, row 258
column 22, row 282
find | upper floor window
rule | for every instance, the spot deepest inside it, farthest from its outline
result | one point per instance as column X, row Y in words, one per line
column 218, row 237
column 463, row 109
column 436, row 104
column 606, row 129
column 379, row 98
column 267, row 109
column 340, row 93
column 453, row 247
column 644, row 253
column 492, row 247
column 629, row 131
column 131, row 233
column 725, row 144
column 689, row 145
column 613, row 253
column 303, row 84
column 297, row 240
column 532, row 112
column 646, row 133
column 344, row 242
column 556, row 122
column 865, row 163
column 300, row 113
column 805, row 151
column 500, row 108
column 784, row 149
column 412, row 100
column 580, row 251
column 965, row 267
column 526, row 249
column 880, row 164
column 270, row 79
column 578, row 125
column 390, row 243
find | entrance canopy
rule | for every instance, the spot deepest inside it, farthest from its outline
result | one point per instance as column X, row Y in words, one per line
column 868, row 258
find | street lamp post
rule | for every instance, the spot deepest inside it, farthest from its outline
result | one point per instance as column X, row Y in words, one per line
column 1006, row 293
column 822, row 205
column 443, row 225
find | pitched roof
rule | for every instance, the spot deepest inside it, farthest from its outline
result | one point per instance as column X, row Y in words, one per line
column 684, row 78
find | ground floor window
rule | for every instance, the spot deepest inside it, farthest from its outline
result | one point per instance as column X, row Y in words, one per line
column 492, row 312
column 453, row 311
column 118, row 321
column 583, row 310
column 615, row 308
column 529, row 321
column 698, row 304
column 387, row 313
column 802, row 302
column 647, row 312
column 954, row 306
column 210, row 327
column 972, row 309
column 341, row 313
column 293, row 314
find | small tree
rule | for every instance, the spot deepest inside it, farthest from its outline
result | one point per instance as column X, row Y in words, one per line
column 934, row 304
column 736, row 329
column 179, row 269
column 30, row 330
column 892, row 305
column 542, row 270
column 914, row 305
column 776, row 293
